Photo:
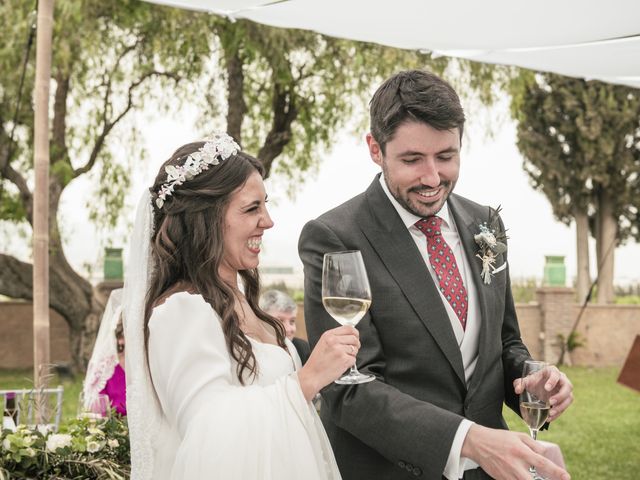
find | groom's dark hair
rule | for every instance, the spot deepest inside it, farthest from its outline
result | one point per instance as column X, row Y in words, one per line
column 414, row 95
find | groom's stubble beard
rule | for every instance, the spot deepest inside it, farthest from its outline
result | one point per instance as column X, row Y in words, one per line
column 422, row 209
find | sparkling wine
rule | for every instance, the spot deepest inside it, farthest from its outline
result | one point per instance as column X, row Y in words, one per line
column 534, row 413
column 346, row 311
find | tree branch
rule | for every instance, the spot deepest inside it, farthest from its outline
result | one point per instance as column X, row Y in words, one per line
column 67, row 298
column 235, row 85
column 15, row 177
column 284, row 114
column 16, row 280
column 59, row 124
column 108, row 125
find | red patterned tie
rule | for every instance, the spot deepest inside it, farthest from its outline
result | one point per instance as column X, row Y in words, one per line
column 444, row 264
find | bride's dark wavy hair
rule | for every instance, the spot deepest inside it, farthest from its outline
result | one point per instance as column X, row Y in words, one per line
column 187, row 246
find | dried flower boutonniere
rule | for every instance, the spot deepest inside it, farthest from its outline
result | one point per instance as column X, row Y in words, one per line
column 491, row 240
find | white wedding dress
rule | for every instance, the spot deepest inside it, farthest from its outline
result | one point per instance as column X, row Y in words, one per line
column 212, row 426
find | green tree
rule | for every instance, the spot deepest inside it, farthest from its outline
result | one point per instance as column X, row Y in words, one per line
column 581, row 144
column 108, row 60
column 284, row 93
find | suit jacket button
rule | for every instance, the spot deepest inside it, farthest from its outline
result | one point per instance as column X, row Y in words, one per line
column 409, row 467
column 401, row 464
column 417, row 472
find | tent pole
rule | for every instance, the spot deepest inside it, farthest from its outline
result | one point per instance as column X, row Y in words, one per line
column 41, row 353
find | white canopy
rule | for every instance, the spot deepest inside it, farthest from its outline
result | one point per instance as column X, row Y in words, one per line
column 592, row 39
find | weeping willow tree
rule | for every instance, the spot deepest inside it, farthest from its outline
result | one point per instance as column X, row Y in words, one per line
column 284, row 94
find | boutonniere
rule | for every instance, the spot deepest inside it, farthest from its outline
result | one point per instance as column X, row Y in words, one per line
column 491, row 240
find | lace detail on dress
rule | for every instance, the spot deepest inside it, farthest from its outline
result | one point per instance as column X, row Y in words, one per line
column 104, row 356
column 143, row 411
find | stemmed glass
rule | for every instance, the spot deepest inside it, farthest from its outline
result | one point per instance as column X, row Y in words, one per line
column 346, row 295
column 97, row 407
column 534, row 400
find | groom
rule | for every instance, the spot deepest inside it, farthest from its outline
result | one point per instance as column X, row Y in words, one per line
column 443, row 342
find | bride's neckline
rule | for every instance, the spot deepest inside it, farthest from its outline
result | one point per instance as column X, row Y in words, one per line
column 174, row 291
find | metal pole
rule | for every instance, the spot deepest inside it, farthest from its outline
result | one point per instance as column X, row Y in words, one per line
column 41, row 354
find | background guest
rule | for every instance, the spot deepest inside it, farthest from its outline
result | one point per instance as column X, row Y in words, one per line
column 281, row 306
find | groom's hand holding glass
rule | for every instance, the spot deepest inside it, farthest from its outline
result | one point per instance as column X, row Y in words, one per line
column 556, row 385
column 508, row 455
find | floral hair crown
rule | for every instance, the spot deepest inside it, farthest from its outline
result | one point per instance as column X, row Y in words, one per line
column 220, row 147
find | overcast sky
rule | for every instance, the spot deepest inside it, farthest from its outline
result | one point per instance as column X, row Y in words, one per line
column 491, row 174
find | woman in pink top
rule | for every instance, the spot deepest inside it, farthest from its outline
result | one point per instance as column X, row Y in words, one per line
column 116, row 387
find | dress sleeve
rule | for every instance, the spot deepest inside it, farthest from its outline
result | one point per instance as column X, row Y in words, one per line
column 235, row 431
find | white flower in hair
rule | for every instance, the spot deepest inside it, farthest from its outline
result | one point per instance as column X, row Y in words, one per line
column 220, row 147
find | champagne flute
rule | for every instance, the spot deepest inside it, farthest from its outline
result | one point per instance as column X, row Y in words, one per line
column 346, row 295
column 534, row 400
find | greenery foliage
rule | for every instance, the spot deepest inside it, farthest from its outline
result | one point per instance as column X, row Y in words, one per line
column 83, row 449
column 581, row 139
column 286, row 93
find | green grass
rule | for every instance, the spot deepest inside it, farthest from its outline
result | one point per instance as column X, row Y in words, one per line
column 600, row 433
column 24, row 379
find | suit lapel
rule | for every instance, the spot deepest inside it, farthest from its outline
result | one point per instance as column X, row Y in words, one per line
column 468, row 226
column 383, row 227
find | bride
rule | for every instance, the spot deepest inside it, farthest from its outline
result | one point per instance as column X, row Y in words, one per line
column 214, row 388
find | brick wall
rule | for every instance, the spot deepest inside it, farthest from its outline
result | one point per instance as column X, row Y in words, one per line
column 530, row 320
column 16, row 336
column 608, row 330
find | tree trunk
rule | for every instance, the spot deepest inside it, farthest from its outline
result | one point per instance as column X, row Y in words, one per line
column 284, row 113
column 71, row 296
column 235, row 94
column 608, row 229
column 583, row 278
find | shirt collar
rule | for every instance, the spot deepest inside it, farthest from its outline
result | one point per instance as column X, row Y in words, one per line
column 408, row 218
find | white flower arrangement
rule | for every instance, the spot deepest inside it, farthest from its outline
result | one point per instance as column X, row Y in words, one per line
column 85, row 448
column 492, row 242
column 58, row 441
column 220, row 147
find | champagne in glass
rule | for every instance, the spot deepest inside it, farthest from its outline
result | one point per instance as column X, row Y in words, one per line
column 346, row 295
column 534, row 414
column 534, row 400
column 346, row 311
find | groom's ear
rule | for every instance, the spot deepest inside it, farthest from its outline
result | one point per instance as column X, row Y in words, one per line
column 374, row 149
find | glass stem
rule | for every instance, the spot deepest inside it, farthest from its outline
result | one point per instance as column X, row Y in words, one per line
column 534, row 435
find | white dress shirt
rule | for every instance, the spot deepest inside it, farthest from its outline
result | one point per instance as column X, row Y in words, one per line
column 468, row 338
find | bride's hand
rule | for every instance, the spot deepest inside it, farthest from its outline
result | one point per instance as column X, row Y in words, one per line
column 334, row 353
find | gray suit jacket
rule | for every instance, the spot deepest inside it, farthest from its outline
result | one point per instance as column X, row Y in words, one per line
column 402, row 424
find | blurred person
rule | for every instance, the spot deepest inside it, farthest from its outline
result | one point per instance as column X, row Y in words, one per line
column 105, row 372
column 281, row 306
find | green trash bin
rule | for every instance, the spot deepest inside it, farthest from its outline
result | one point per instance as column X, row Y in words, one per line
column 113, row 264
column 555, row 272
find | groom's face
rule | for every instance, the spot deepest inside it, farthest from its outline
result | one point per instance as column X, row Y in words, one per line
column 420, row 165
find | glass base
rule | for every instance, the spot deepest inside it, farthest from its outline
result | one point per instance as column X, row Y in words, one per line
column 354, row 379
column 535, row 475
